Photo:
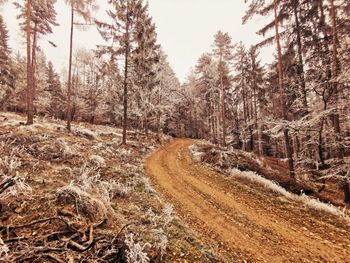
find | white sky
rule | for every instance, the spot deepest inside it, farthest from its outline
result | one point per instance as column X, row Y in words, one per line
column 185, row 30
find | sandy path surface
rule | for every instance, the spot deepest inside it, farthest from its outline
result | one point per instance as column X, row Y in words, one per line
column 243, row 221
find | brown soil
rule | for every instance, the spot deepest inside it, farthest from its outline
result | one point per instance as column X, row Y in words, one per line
column 241, row 220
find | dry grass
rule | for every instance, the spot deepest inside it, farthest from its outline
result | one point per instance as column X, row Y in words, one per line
column 87, row 180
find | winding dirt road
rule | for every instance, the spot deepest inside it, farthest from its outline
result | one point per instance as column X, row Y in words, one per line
column 242, row 221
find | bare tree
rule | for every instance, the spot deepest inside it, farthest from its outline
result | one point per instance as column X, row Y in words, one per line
column 84, row 9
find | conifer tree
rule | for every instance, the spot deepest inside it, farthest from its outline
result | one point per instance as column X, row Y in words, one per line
column 120, row 36
column 6, row 72
column 42, row 18
column 223, row 52
column 29, row 91
column 56, row 103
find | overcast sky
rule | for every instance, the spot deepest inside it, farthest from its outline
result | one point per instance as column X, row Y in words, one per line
column 185, row 30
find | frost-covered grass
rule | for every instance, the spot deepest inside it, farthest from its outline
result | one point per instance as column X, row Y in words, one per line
column 306, row 200
column 87, row 178
column 195, row 153
column 97, row 161
column 9, row 165
column 135, row 251
column 4, row 250
column 84, row 132
column 164, row 219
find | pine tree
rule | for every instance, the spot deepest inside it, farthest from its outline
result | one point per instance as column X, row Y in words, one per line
column 6, row 72
column 29, row 92
column 144, row 59
column 54, row 88
column 223, row 52
column 126, row 16
column 42, row 17
column 207, row 79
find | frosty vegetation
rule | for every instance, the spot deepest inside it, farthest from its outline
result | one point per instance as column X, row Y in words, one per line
column 95, row 189
column 72, row 144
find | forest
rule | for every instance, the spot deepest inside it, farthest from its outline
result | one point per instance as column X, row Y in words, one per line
column 115, row 159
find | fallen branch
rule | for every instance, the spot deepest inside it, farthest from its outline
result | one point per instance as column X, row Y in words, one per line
column 80, row 247
column 7, row 183
column 17, row 239
column 34, row 254
column 8, row 228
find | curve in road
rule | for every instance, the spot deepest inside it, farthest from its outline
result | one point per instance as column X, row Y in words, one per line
column 241, row 220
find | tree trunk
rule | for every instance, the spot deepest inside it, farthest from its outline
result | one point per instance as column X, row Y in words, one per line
column 301, row 72
column 335, row 75
column 34, row 64
column 346, row 190
column 69, row 91
column 289, row 153
column 223, row 110
column 320, row 143
column 223, row 114
column 126, row 62
column 29, row 91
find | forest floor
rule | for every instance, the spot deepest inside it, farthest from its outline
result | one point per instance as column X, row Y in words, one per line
column 246, row 221
column 84, row 197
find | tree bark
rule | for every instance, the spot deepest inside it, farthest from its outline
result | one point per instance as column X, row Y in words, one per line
column 69, row 91
column 126, row 62
column 29, row 91
column 34, row 64
column 289, row 153
column 335, row 75
column 301, row 72
column 346, row 190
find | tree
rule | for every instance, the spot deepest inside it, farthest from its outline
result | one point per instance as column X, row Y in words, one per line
column 29, row 95
column 42, row 18
column 7, row 80
column 54, row 88
column 82, row 8
column 121, row 37
column 144, row 59
column 282, row 91
column 333, row 15
column 207, row 84
column 223, row 51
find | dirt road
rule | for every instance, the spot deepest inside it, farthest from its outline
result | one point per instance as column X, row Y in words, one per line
column 241, row 220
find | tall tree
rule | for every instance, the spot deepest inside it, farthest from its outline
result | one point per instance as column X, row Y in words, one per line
column 333, row 15
column 282, row 91
column 42, row 19
column 82, row 8
column 29, row 95
column 6, row 72
column 223, row 51
column 121, row 37
column 144, row 59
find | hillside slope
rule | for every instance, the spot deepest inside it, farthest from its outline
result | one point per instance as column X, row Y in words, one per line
column 82, row 197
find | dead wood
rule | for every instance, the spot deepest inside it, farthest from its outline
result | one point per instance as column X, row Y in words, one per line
column 7, row 183
column 36, row 252
column 87, row 245
column 68, row 225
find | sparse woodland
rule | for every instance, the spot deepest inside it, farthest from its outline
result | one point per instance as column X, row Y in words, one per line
column 72, row 145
